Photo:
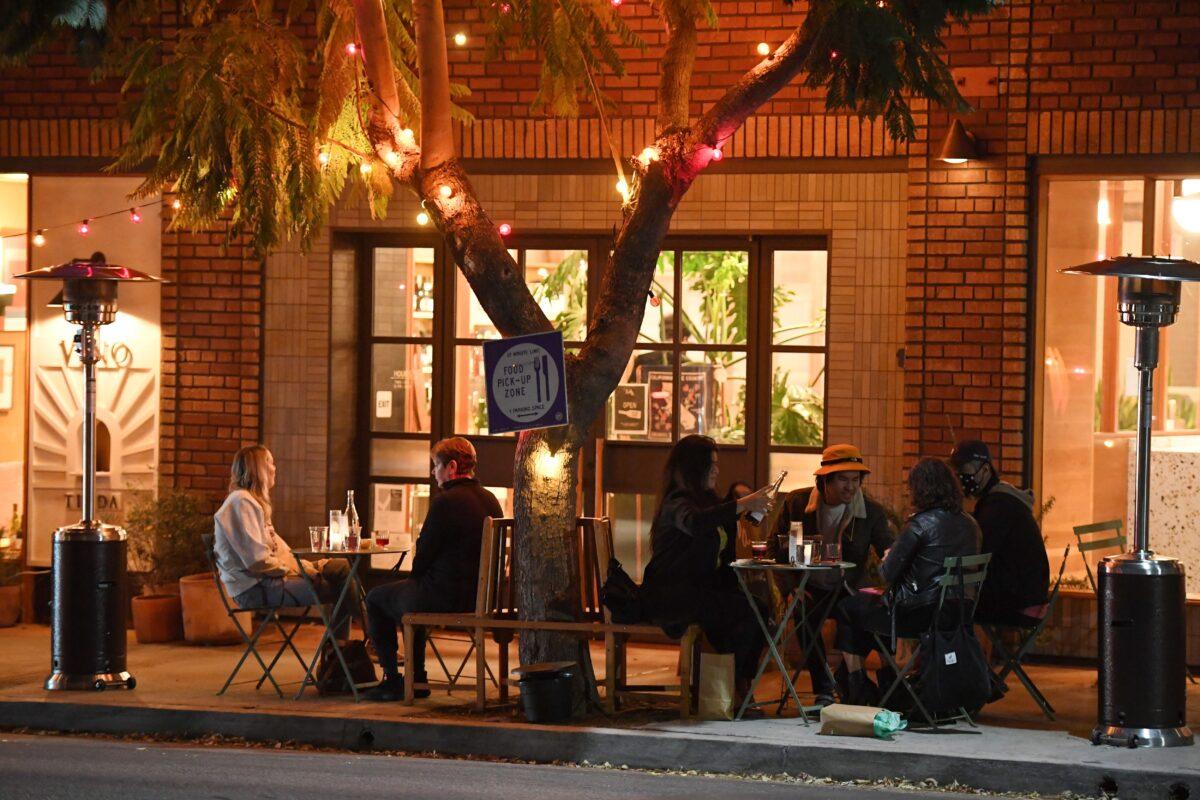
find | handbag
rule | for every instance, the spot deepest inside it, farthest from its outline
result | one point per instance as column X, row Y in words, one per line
column 954, row 672
column 330, row 677
column 621, row 596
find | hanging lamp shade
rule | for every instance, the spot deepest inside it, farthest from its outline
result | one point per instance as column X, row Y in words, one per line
column 959, row 145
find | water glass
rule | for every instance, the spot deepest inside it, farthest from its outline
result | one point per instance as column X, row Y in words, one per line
column 317, row 535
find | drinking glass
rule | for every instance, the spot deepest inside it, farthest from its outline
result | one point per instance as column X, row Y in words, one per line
column 758, row 550
column 383, row 538
column 833, row 552
column 317, row 535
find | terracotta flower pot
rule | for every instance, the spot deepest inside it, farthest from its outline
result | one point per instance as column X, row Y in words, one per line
column 204, row 617
column 157, row 618
column 10, row 606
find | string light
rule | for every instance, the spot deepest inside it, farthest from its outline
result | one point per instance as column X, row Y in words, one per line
column 39, row 239
column 445, row 191
column 406, row 137
column 176, row 204
column 504, row 229
column 460, row 38
column 505, row 8
column 352, row 49
column 392, row 158
column 84, row 228
column 623, row 189
column 764, row 49
column 422, row 218
column 654, row 301
column 323, row 157
column 616, row 3
column 134, row 216
column 717, row 154
column 364, row 168
column 648, row 155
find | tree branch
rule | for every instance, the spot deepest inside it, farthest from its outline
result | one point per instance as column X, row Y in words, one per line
column 675, row 84
column 756, row 87
column 399, row 152
column 437, row 133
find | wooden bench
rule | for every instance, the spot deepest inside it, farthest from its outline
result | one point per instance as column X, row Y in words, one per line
column 496, row 613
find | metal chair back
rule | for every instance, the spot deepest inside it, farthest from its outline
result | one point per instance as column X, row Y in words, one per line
column 1105, row 535
column 964, row 577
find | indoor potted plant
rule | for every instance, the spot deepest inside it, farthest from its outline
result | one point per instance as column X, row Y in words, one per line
column 164, row 545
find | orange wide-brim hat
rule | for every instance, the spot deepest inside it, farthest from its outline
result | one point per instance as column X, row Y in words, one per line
column 841, row 458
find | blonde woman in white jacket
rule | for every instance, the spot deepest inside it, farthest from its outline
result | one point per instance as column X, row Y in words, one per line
column 257, row 567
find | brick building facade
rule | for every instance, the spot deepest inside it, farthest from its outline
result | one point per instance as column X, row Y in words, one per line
column 951, row 291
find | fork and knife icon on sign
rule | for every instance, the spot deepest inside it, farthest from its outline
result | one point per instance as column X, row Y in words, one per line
column 541, row 370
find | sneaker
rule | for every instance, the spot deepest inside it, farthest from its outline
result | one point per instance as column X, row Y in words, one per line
column 824, row 700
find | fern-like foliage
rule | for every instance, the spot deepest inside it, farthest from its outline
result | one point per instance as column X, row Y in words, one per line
column 575, row 40
column 27, row 25
column 871, row 56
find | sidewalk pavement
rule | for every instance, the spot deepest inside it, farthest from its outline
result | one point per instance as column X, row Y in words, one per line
column 1013, row 749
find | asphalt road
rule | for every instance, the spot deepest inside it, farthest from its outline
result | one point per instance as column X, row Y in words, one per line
column 50, row 768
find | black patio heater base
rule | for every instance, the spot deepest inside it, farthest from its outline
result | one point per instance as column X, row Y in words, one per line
column 1143, row 698
column 1141, row 596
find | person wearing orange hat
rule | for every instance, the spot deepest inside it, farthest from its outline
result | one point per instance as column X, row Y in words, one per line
column 837, row 510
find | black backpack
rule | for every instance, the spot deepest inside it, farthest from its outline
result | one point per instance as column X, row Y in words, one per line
column 621, row 596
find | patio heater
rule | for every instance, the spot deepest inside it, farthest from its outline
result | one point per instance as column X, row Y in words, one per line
column 90, row 587
column 1140, row 594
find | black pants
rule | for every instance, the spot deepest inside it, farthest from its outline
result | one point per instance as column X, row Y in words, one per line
column 723, row 614
column 819, row 599
column 386, row 607
column 862, row 614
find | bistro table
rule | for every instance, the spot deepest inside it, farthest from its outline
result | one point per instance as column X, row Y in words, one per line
column 354, row 557
column 785, row 629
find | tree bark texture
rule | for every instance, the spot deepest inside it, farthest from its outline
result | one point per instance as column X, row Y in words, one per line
column 675, row 85
column 433, row 67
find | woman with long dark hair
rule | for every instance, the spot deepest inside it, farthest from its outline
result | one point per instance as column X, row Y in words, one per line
column 937, row 530
column 688, row 579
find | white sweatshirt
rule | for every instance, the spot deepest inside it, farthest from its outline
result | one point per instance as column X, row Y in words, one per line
column 246, row 545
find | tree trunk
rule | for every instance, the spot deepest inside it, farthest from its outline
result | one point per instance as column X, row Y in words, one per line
column 545, row 480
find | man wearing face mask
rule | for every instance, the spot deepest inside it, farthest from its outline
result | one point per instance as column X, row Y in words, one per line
column 838, row 511
column 1018, row 576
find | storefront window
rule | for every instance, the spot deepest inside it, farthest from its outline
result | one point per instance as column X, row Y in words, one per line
column 1089, row 384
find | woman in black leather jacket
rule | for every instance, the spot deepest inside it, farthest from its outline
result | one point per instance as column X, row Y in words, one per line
column 688, row 579
column 939, row 529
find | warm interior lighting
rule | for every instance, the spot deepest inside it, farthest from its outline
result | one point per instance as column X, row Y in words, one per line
column 764, row 49
column 1185, row 210
column 1103, row 217
column 959, row 145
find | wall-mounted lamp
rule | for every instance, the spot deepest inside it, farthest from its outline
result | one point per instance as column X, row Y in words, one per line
column 959, row 146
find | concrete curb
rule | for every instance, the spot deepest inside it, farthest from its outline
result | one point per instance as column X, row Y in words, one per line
column 641, row 749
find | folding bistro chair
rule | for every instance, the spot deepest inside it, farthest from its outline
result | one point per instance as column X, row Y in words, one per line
column 1030, row 622
column 963, row 575
column 269, row 616
column 1093, row 537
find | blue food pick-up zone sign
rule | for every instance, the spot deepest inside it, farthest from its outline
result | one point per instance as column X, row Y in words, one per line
column 526, row 385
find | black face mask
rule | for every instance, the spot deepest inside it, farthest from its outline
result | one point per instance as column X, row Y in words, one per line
column 970, row 483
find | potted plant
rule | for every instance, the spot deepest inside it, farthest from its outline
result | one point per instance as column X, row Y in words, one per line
column 164, row 545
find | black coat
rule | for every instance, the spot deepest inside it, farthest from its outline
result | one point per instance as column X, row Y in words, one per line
column 1019, row 573
column 447, row 554
column 918, row 556
column 861, row 536
column 687, row 557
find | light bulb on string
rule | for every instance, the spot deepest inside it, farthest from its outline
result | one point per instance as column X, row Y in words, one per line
column 654, row 301
column 623, row 189
column 445, row 191
column 504, row 229
column 422, row 218
column 365, row 168
column 323, row 157
column 460, row 38
column 615, row 3
column 406, row 137
column 84, row 228
column 352, row 49
column 39, row 239
column 648, row 155
column 134, row 216
column 717, row 154
column 764, row 49
column 176, row 204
